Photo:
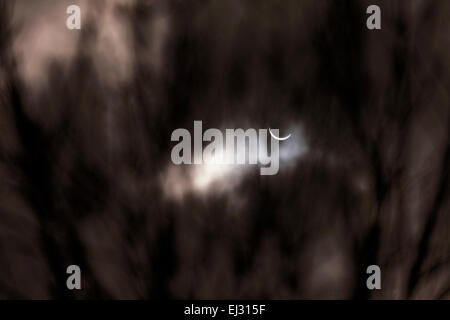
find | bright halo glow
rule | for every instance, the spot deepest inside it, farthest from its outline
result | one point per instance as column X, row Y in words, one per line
column 210, row 171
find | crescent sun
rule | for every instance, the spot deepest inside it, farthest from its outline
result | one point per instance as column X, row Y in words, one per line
column 278, row 138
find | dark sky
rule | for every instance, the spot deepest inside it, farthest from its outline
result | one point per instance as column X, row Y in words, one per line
column 86, row 176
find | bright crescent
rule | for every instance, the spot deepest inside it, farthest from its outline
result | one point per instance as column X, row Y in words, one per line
column 277, row 138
